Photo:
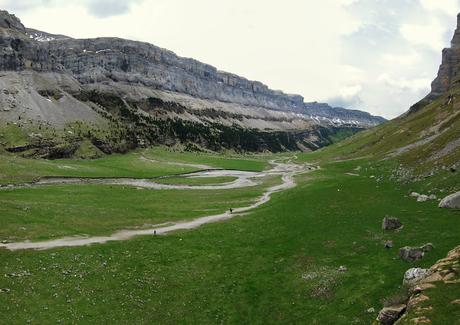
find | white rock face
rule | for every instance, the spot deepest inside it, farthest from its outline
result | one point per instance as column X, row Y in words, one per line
column 451, row 202
column 414, row 275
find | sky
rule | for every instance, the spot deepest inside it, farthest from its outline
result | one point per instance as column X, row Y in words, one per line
column 378, row 56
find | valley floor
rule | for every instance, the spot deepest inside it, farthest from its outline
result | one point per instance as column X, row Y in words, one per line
column 278, row 263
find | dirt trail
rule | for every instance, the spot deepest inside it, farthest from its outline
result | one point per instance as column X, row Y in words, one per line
column 287, row 170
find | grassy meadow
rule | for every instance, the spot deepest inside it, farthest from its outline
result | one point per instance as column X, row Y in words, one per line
column 277, row 264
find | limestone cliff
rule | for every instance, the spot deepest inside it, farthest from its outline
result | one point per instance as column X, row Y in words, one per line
column 448, row 71
column 57, row 79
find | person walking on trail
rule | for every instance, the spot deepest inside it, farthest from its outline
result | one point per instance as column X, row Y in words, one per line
column 231, row 210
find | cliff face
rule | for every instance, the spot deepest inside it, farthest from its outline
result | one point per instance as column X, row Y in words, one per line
column 58, row 79
column 448, row 71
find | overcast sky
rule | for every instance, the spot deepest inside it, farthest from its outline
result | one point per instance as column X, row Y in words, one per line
column 375, row 55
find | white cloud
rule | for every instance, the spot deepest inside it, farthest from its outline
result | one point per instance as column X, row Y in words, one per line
column 98, row 8
column 446, row 6
column 350, row 91
column 404, row 60
column 427, row 34
column 402, row 84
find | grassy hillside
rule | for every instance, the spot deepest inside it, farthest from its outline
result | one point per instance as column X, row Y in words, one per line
column 424, row 140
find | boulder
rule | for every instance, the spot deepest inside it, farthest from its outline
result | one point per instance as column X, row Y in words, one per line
column 391, row 223
column 451, row 202
column 411, row 254
column 414, row 194
column 414, row 275
column 389, row 315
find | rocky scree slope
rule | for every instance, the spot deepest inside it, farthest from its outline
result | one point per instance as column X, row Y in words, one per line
column 141, row 95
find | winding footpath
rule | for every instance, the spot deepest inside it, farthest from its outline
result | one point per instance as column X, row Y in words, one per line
column 287, row 171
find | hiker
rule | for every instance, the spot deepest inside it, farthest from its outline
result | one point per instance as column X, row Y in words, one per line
column 231, row 210
column 154, row 232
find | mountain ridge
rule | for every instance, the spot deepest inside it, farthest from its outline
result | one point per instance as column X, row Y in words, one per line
column 63, row 74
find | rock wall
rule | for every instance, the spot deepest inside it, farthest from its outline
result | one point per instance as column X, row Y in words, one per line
column 448, row 71
column 114, row 60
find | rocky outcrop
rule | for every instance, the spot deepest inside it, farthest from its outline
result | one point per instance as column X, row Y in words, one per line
column 451, row 202
column 447, row 73
column 416, row 307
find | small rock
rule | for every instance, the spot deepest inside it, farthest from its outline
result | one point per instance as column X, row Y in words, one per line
column 414, row 194
column 411, row 254
column 456, row 302
column 371, row 310
column 391, row 223
column 389, row 315
column 423, row 198
column 342, row 268
column 432, row 197
column 388, row 244
column 5, row 290
column 414, row 275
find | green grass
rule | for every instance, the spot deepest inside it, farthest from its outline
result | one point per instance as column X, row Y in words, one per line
column 277, row 264
column 227, row 161
column 103, row 209
column 14, row 169
column 443, row 312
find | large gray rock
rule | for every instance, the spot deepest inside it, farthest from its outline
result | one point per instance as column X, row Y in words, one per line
column 451, row 202
column 411, row 254
column 389, row 315
column 391, row 223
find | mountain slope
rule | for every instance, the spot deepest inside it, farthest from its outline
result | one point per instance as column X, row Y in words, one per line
column 142, row 95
